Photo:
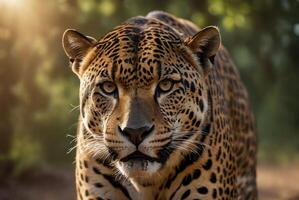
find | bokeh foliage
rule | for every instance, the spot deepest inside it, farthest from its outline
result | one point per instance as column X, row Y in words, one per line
column 39, row 93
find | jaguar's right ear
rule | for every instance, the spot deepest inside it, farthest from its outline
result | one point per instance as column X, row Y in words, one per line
column 205, row 44
column 76, row 46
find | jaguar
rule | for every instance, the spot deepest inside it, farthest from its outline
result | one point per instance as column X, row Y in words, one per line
column 163, row 114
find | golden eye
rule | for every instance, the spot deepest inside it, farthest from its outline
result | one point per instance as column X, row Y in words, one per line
column 108, row 87
column 166, row 85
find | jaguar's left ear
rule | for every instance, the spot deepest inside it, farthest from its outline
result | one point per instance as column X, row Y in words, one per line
column 205, row 43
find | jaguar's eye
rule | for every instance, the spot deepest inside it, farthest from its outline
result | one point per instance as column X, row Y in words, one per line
column 108, row 87
column 166, row 85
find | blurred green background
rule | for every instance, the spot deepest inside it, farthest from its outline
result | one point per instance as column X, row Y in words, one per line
column 39, row 93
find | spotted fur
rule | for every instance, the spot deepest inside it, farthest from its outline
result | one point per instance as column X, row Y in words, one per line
column 195, row 131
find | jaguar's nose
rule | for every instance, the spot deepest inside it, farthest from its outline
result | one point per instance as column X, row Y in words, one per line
column 136, row 135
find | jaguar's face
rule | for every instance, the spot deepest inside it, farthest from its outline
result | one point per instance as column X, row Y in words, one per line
column 142, row 99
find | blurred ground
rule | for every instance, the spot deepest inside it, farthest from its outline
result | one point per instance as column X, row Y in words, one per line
column 45, row 185
column 278, row 182
column 275, row 183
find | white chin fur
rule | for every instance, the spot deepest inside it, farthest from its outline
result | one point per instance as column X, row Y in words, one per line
column 137, row 168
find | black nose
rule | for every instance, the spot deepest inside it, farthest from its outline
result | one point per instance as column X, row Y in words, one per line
column 136, row 135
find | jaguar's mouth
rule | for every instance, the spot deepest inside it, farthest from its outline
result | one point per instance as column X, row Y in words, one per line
column 138, row 156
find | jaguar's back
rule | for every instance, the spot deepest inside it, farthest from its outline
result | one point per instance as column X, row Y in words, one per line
column 164, row 114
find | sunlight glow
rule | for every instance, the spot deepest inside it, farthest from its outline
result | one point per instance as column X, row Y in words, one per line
column 11, row 3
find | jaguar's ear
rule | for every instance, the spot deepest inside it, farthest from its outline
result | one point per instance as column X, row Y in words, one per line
column 205, row 43
column 76, row 46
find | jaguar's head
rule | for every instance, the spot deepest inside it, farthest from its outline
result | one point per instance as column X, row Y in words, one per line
column 143, row 96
